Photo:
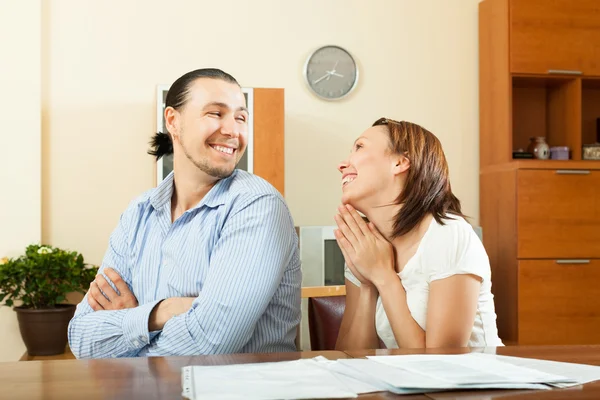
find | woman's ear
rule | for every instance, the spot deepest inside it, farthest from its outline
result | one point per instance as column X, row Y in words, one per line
column 401, row 164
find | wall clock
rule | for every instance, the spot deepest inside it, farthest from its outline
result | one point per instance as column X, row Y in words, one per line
column 331, row 72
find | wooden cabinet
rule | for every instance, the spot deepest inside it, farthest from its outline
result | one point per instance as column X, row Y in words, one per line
column 558, row 214
column 558, row 36
column 558, row 301
column 535, row 212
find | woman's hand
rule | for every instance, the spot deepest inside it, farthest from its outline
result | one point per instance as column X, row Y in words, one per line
column 368, row 254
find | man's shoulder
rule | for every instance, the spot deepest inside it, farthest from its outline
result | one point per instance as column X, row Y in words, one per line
column 140, row 203
column 245, row 186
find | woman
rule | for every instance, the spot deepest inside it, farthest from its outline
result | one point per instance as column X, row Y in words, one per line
column 417, row 275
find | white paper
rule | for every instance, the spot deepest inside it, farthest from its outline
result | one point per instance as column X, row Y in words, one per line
column 301, row 379
column 345, row 378
column 402, row 381
column 468, row 369
column 579, row 373
column 353, row 381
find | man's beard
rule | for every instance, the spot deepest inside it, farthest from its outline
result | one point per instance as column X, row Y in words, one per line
column 204, row 166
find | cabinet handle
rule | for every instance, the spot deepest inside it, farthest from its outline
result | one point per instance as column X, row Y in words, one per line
column 572, row 172
column 577, row 261
column 565, row 72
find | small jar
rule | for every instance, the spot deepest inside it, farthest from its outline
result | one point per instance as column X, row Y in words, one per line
column 539, row 148
column 559, row 153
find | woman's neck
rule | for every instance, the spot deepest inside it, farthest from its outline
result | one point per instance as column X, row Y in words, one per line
column 383, row 217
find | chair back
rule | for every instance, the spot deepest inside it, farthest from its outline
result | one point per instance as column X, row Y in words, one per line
column 326, row 306
column 324, row 320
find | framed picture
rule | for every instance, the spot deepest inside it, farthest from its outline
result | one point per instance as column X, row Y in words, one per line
column 164, row 165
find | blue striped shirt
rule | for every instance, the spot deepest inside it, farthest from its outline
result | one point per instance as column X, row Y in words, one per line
column 236, row 252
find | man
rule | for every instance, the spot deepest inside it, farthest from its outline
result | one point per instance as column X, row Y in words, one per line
column 205, row 263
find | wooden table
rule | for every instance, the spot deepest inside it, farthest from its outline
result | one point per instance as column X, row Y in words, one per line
column 160, row 377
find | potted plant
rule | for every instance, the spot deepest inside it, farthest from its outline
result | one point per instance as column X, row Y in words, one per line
column 36, row 284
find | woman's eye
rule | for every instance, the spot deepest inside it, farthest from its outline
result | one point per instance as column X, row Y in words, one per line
column 358, row 146
column 241, row 118
column 216, row 113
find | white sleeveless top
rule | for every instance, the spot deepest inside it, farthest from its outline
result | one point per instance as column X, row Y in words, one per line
column 445, row 250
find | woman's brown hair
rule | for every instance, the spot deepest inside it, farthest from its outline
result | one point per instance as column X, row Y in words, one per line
column 427, row 188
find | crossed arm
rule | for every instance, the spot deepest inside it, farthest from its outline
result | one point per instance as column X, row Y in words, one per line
column 103, row 296
column 247, row 264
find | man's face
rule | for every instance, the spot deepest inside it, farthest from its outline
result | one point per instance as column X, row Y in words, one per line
column 211, row 129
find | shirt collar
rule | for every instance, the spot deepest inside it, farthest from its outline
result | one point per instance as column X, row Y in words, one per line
column 215, row 197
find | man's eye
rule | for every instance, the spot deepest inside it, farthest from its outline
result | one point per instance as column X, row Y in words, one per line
column 218, row 114
column 358, row 146
column 241, row 118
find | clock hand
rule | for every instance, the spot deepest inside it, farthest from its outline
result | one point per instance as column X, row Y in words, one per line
column 336, row 64
column 336, row 74
column 327, row 75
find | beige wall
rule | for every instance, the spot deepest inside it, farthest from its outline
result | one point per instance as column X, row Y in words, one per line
column 102, row 60
column 418, row 61
column 20, row 157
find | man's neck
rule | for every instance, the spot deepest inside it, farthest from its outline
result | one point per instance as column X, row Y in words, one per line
column 188, row 191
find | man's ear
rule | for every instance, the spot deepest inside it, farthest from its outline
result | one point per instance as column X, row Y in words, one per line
column 172, row 122
column 401, row 164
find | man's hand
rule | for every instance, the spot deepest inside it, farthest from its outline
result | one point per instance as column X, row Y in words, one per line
column 110, row 300
column 167, row 309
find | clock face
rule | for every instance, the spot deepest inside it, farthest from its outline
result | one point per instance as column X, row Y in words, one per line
column 331, row 72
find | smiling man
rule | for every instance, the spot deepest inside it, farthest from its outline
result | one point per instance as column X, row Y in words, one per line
column 205, row 263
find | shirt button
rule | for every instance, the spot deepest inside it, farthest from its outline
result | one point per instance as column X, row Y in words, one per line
column 136, row 343
column 142, row 339
column 114, row 356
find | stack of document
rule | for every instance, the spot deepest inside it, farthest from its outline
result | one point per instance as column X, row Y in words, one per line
column 320, row 378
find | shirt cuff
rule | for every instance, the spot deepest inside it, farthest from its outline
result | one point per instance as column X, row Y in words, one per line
column 135, row 325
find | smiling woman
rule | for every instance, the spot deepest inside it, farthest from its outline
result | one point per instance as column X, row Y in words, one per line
column 417, row 275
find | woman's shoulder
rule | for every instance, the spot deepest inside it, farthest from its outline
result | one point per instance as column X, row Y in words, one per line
column 453, row 244
column 451, row 230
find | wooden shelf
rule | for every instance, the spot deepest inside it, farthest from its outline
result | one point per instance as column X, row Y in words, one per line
column 539, row 75
column 67, row 355
column 590, row 109
column 543, row 164
column 547, row 106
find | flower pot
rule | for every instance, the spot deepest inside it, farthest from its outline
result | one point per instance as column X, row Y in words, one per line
column 44, row 331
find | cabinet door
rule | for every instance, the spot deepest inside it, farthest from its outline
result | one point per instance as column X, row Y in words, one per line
column 560, row 35
column 558, row 214
column 559, row 302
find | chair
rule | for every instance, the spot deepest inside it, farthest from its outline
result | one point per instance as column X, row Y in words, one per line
column 326, row 306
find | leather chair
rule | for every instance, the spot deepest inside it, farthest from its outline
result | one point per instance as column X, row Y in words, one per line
column 326, row 306
column 324, row 320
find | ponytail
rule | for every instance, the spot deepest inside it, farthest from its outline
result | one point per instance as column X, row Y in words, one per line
column 161, row 145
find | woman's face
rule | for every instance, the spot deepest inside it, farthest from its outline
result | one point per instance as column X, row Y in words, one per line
column 369, row 173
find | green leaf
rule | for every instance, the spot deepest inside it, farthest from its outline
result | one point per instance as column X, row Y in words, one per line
column 43, row 279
